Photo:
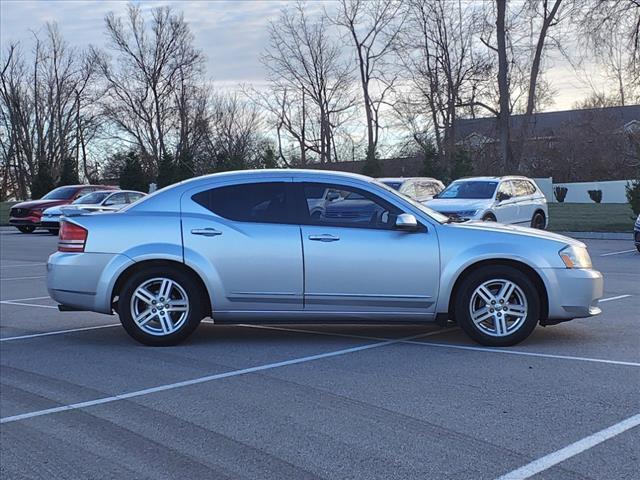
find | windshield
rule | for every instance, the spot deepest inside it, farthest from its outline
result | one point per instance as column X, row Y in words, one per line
column 392, row 183
column 469, row 189
column 60, row 193
column 438, row 217
column 92, row 198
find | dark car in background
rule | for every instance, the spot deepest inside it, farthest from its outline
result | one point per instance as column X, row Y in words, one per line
column 25, row 216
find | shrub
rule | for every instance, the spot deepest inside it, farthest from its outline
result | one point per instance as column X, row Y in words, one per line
column 372, row 166
column 42, row 182
column 595, row 195
column 633, row 195
column 560, row 193
column 68, row 172
column 132, row 176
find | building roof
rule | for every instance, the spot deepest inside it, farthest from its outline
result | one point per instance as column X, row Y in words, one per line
column 547, row 124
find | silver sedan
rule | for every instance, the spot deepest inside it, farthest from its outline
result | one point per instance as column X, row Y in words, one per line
column 244, row 246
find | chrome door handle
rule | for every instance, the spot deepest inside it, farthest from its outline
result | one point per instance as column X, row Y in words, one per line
column 207, row 232
column 325, row 237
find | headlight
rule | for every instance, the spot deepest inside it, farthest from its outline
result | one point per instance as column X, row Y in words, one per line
column 467, row 213
column 575, row 257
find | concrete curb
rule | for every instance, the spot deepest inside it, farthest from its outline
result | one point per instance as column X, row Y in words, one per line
column 600, row 235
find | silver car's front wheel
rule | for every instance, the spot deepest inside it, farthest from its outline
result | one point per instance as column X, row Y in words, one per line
column 498, row 307
column 159, row 306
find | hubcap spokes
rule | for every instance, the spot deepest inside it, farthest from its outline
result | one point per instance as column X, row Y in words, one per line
column 498, row 307
column 159, row 306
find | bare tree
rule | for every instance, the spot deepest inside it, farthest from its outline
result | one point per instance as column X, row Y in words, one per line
column 155, row 66
column 373, row 28
column 444, row 69
column 45, row 109
column 305, row 64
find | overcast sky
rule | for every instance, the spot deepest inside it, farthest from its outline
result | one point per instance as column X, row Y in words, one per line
column 231, row 33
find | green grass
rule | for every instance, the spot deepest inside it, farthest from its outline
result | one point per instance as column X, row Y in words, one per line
column 4, row 212
column 590, row 217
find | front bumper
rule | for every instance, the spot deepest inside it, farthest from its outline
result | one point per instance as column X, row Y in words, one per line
column 48, row 221
column 31, row 221
column 572, row 292
column 85, row 280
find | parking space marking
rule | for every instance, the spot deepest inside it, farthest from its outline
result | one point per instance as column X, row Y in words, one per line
column 57, row 332
column 22, row 278
column 8, row 302
column 331, row 334
column 25, row 299
column 554, row 458
column 619, row 297
column 458, row 347
column 23, row 265
column 199, row 380
column 617, row 253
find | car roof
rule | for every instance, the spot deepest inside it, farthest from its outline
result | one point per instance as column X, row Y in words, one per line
column 494, row 179
column 404, row 179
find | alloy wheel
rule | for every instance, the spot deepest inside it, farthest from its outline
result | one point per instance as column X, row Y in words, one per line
column 498, row 307
column 159, row 306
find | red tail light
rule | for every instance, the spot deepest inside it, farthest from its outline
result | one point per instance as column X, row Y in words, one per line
column 72, row 237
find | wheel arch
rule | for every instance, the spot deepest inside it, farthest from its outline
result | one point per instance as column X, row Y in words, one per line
column 139, row 266
column 523, row 267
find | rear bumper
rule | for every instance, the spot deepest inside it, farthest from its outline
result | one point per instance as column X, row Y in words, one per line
column 572, row 293
column 85, row 280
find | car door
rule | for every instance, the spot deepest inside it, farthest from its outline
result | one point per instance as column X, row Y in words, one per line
column 506, row 206
column 356, row 261
column 241, row 237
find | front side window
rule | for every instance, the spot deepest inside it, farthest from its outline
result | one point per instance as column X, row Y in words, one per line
column 353, row 207
column 477, row 189
column 248, row 202
column 91, row 198
column 134, row 197
column 506, row 190
column 117, row 199
column 425, row 189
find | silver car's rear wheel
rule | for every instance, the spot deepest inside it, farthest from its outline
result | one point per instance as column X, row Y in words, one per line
column 498, row 307
column 160, row 306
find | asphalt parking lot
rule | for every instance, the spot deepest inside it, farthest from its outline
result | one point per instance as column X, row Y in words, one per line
column 80, row 399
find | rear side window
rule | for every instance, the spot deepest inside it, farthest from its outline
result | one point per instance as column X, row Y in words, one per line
column 248, row 202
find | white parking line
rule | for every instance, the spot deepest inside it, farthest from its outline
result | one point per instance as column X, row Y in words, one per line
column 554, row 458
column 25, row 299
column 58, row 332
column 619, row 297
column 617, row 253
column 195, row 381
column 455, row 346
column 8, row 302
column 23, row 265
column 22, row 278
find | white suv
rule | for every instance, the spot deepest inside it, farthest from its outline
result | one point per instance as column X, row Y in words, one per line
column 515, row 200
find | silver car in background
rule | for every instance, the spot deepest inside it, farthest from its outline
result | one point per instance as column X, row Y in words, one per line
column 244, row 246
column 418, row 188
column 98, row 201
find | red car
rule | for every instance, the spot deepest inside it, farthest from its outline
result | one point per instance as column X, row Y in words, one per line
column 25, row 216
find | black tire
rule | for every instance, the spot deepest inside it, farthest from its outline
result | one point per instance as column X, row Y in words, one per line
column 194, row 295
column 489, row 217
column 485, row 274
column 538, row 221
column 54, row 231
column 638, row 247
column 26, row 228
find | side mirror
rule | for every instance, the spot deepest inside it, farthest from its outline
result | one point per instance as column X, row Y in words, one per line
column 501, row 196
column 407, row 222
column 333, row 195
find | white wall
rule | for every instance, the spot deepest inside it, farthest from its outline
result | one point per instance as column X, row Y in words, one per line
column 546, row 185
column 612, row 191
